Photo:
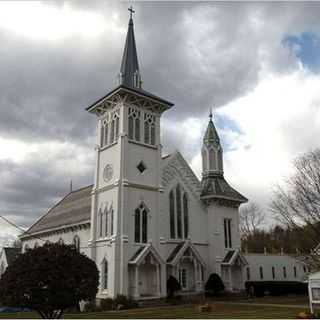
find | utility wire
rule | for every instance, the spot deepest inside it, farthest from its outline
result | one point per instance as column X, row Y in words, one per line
column 37, row 237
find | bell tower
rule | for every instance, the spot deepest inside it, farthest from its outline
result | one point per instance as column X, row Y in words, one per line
column 126, row 192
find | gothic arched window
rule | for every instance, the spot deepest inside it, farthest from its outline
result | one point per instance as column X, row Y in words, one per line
column 204, row 160
column 141, row 224
column 111, row 215
column 100, row 223
column 149, row 129
column 106, row 220
column 104, row 133
column 179, row 213
column 172, row 215
column 36, row 245
column 211, row 159
column 76, row 242
column 60, row 241
column 114, row 129
column 134, row 124
column 185, row 216
column 220, row 162
column 104, row 275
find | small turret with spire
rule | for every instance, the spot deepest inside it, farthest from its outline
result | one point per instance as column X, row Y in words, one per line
column 214, row 186
column 211, row 150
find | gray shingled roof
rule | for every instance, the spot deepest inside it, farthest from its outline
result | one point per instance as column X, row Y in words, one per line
column 11, row 254
column 175, row 251
column 211, row 135
column 215, row 186
column 228, row 256
column 72, row 209
column 137, row 253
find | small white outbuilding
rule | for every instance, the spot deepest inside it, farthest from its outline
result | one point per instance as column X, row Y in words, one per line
column 314, row 289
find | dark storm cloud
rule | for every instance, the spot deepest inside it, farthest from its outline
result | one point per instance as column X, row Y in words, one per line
column 45, row 88
column 28, row 189
column 197, row 55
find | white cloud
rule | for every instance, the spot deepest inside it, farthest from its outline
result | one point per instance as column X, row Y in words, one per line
column 278, row 121
column 8, row 234
column 42, row 21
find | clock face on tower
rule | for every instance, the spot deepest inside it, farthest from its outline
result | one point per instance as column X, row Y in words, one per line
column 107, row 172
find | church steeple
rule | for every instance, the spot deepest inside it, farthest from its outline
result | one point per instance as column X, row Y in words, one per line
column 129, row 71
column 212, row 150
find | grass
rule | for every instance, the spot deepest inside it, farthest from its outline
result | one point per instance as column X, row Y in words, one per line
column 237, row 309
column 288, row 300
column 190, row 312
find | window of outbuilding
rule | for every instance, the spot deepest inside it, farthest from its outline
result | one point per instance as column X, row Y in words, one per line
column 285, row 272
column 76, row 242
column 261, row 272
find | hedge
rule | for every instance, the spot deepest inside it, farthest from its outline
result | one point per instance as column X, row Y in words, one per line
column 275, row 288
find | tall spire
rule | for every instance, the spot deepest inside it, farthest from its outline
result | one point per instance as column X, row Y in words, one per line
column 129, row 71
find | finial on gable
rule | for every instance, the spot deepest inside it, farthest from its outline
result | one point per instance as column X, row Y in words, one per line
column 210, row 114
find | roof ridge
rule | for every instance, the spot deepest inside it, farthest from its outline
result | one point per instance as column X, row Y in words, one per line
column 77, row 190
column 43, row 216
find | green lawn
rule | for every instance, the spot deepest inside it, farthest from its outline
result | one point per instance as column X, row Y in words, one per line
column 239, row 309
column 289, row 300
column 190, row 312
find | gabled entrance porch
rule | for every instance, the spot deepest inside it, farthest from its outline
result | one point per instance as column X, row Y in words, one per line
column 231, row 270
column 146, row 274
column 187, row 266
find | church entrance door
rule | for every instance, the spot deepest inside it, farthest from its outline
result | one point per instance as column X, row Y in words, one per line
column 148, row 284
column 186, row 275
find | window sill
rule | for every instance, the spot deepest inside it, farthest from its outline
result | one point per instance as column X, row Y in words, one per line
column 143, row 144
column 104, row 292
column 176, row 240
column 104, row 239
column 108, row 146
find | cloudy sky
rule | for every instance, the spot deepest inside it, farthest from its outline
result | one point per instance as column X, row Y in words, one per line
column 257, row 64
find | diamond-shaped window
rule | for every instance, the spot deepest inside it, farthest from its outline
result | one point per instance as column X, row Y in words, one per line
column 141, row 167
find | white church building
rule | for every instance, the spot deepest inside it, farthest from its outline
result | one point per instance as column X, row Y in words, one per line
column 147, row 216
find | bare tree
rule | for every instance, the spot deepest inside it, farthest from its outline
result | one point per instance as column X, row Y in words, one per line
column 298, row 204
column 251, row 219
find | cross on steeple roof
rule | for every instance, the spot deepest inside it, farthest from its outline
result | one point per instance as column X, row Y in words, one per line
column 131, row 11
column 210, row 114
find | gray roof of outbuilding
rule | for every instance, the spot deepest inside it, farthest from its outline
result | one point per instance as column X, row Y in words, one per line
column 11, row 254
column 74, row 208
